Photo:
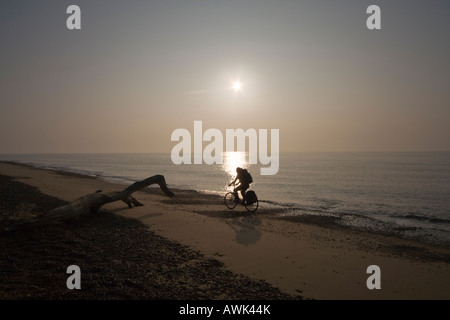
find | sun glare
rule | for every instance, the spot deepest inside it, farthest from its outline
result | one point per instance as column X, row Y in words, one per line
column 236, row 86
column 232, row 160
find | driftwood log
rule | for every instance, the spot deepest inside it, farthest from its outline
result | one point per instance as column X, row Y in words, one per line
column 92, row 202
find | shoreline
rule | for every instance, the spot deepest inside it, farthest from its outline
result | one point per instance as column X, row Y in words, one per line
column 316, row 259
column 332, row 221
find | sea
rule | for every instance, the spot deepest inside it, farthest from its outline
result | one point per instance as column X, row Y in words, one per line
column 406, row 194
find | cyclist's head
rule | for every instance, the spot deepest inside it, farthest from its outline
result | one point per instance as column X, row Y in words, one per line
column 238, row 169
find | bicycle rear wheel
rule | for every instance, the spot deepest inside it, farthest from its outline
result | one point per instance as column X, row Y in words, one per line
column 230, row 201
column 252, row 207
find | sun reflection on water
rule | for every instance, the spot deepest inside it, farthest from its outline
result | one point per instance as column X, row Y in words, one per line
column 232, row 160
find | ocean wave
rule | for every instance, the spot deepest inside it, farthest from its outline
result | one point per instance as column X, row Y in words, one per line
column 424, row 218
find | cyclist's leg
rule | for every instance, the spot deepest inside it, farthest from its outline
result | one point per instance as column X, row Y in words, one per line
column 238, row 188
column 244, row 188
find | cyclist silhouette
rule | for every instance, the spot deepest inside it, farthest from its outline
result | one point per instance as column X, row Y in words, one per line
column 245, row 179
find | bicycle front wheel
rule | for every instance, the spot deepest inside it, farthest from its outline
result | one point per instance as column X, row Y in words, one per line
column 230, row 201
column 252, row 207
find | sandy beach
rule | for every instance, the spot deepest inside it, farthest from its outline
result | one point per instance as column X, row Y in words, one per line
column 192, row 247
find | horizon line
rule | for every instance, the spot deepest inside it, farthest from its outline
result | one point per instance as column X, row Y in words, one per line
column 281, row 152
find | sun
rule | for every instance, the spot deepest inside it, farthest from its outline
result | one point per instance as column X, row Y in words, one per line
column 236, row 86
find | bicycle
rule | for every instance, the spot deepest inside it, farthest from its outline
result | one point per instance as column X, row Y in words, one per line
column 251, row 203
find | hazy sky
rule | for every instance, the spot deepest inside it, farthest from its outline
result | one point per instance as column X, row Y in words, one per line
column 137, row 70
